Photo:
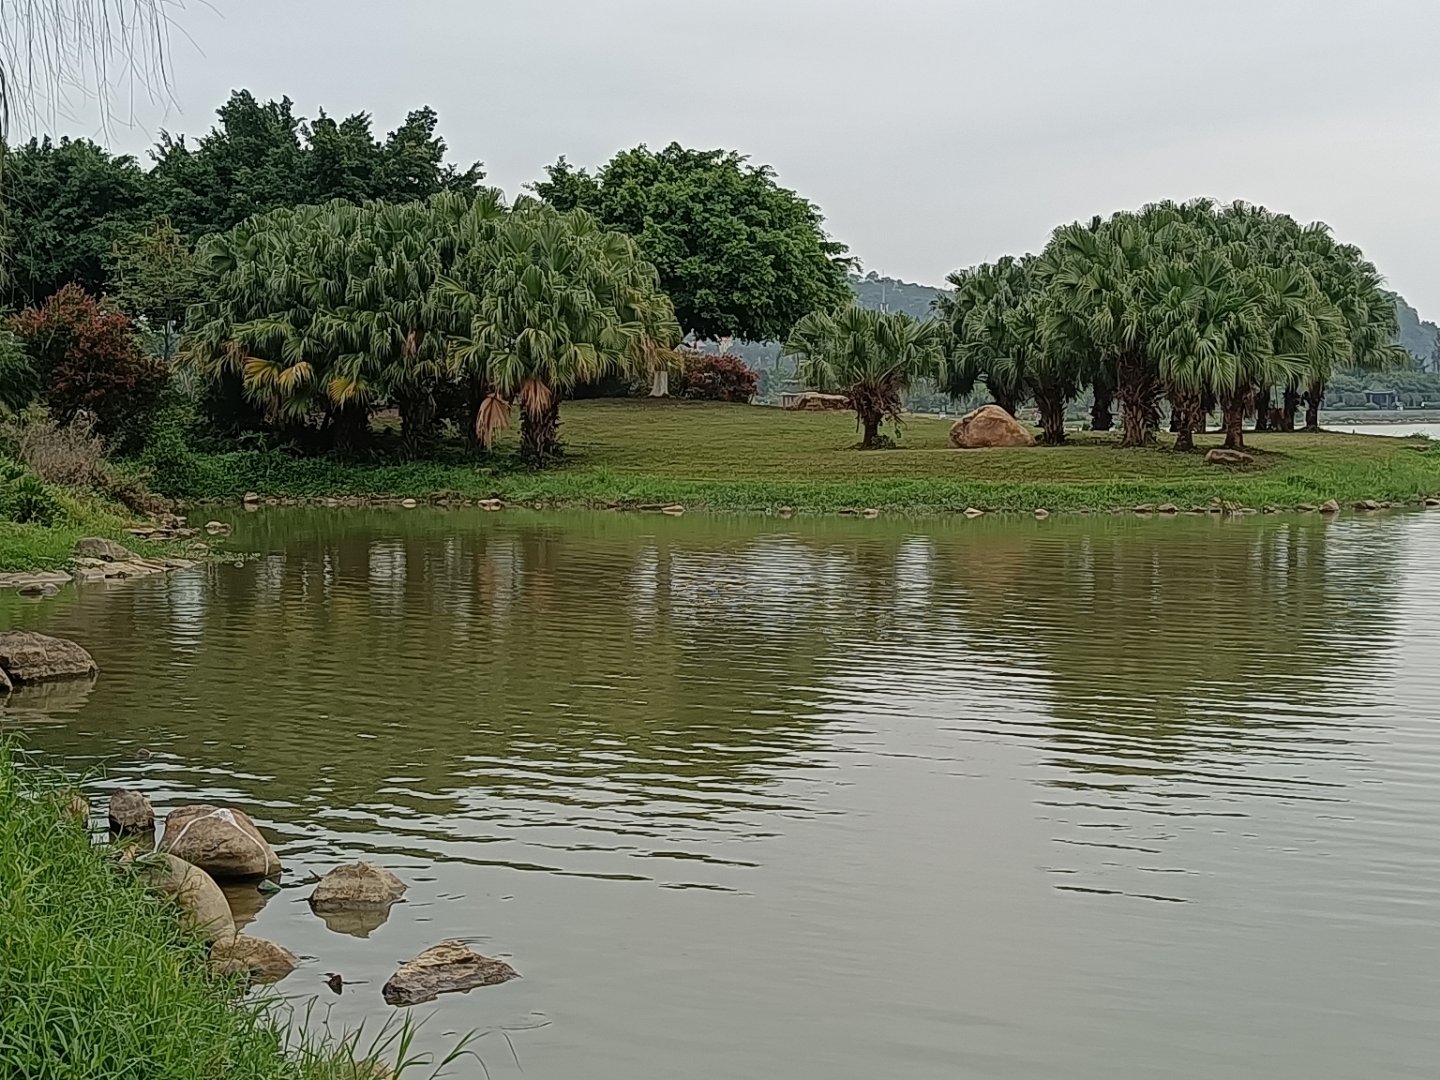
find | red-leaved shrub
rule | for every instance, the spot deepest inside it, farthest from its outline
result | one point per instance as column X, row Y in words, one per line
column 715, row 377
column 88, row 359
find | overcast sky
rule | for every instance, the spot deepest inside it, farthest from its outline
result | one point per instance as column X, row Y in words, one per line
column 933, row 133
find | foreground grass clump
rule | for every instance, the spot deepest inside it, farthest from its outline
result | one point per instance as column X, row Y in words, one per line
column 97, row 981
column 744, row 458
column 36, row 545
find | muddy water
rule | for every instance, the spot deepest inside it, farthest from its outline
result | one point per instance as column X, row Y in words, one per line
column 1080, row 798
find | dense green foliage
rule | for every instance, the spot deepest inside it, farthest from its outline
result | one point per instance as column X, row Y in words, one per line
column 738, row 255
column 68, row 203
column 325, row 314
column 1189, row 302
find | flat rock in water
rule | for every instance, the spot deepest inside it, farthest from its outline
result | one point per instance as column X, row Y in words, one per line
column 28, row 657
column 1367, row 504
column 1229, row 457
column 221, row 841
column 356, row 887
column 131, row 812
column 1330, row 506
column 259, row 960
column 1168, row 508
column 448, row 967
column 39, row 579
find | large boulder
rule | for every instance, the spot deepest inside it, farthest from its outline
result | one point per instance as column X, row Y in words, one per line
column 356, row 887
column 28, row 657
column 988, row 426
column 448, row 967
column 1229, row 457
column 813, row 402
column 97, row 547
column 258, row 960
column 131, row 812
column 221, row 841
column 202, row 904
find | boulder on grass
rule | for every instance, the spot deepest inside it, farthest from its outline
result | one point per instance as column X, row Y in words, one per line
column 221, row 841
column 356, row 887
column 258, row 960
column 448, row 967
column 1228, row 457
column 30, row 658
column 201, row 901
column 813, row 402
column 131, row 812
column 988, row 426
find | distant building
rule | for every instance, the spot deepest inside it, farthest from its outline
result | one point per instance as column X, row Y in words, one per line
column 1382, row 399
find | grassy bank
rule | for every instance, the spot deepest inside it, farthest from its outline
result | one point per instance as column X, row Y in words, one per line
column 98, row 980
column 32, row 546
column 745, row 458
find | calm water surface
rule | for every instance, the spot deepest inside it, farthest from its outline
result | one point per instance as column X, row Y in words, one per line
column 1082, row 798
column 1399, row 430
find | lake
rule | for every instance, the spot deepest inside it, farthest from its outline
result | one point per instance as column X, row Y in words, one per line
column 817, row 799
column 1399, row 430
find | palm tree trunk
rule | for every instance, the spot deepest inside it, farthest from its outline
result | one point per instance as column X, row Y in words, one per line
column 1006, row 400
column 1314, row 398
column 1101, row 418
column 1185, row 417
column 540, row 434
column 1139, row 393
column 1052, row 415
column 1290, row 408
column 349, row 427
column 417, row 423
column 1237, row 404
column 1262, row 408
column 870, row 425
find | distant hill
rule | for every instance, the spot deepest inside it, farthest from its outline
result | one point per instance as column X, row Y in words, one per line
column 1417, row 335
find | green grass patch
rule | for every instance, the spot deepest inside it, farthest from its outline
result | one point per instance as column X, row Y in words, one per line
column 98, row 981
column 748, row 458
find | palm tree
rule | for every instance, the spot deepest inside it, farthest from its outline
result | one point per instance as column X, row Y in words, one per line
column 872, row 356
column 550, row 301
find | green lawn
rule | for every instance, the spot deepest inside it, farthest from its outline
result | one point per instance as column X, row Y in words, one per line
column 741, row 457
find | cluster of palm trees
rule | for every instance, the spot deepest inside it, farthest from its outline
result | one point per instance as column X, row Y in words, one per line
column 327, row 313
column 1202, row 305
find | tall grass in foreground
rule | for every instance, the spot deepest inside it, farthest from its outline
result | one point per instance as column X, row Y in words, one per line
column 98, row 982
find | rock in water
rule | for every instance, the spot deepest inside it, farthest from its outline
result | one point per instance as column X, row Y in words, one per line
column 1330, row 506
column 131, row 812
column 203, row 904
column 448, row 967
column 29, row 658
column 260, row 960
column 1229, row 457
column 988, row 426
column 356, row 887
column 97, row 547
column 221, row 841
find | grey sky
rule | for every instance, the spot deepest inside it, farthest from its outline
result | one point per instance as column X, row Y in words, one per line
column 933, row 133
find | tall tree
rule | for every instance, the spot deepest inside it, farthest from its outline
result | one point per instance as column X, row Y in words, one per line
column 66, row 205
column 153, row 280
column 739, row 255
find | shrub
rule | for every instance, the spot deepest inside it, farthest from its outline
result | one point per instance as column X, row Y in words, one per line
column 18, row 384
column 716, row 377
column 71, row 455
column 24, row 498
column 88, row 359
